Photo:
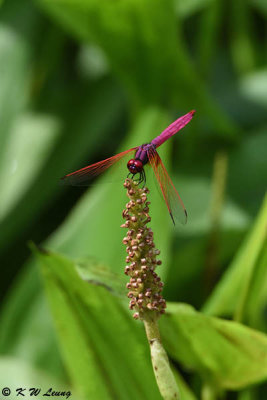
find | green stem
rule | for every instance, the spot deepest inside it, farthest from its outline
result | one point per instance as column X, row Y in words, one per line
column 207, row 393
column 241, row 37
column 211, row 392
column 218, row 189
column 211, row 23
column 216, row 208
column 163, row 373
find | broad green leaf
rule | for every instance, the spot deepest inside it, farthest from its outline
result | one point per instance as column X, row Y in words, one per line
column 29, row 144
column 187, row 8
column 93, row 272
column 27, row 331
column 17, row 33
column 253, row 86
column 225, row 353
column 21, row 297
column 14, row 79
column 257, row 297
column 103, row 347
column 239, row 275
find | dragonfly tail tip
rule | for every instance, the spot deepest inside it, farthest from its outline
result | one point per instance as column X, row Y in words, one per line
column 186, row 215
column 172, row 218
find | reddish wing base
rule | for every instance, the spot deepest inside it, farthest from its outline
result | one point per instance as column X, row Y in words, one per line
column 172, row 199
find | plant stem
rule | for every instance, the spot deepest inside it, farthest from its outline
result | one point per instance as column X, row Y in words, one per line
column 216, row 208
column 212, row 392
column 163, row 373
column 208, row 392
column 218, row 190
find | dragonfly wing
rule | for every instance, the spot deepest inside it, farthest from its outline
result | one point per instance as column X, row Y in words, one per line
column 84, row 176
column 172, row 199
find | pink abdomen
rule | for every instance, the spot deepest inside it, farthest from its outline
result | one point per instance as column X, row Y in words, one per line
column 173, row 128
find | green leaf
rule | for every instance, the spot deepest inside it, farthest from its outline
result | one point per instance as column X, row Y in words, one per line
column 188, row 265
column 184, row 390
column 208, row 36
column 196, row 193
column 225, row 353
column 103, row 347
column 253, row 86
column 248, row 394
column 92, row 271
column 16, row 373
column 248, row 189
column 242, row 46
column 29, row 144
column 260, row 5
column 257, row 297
column 133, row 45
column 27, row 331
column 187, row 8
column 14, row 79
column 239, row 275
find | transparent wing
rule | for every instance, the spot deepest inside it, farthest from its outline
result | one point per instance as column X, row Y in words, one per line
column 84, row 176
column 172, row 199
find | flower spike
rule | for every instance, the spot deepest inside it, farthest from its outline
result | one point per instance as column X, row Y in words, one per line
column 145, row 285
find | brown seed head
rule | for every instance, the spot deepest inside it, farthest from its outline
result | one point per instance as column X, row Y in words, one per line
column 145, row 285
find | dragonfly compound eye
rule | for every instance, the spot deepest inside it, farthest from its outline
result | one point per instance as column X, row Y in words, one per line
column 135, row 166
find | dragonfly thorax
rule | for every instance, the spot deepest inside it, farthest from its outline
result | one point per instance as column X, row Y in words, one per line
column 135, row 166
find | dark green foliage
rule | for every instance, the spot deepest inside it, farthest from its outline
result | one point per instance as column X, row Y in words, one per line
column 79, row 81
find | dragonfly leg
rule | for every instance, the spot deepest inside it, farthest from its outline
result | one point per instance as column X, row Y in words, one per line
column 136, row 179
column 131, row 176
column 144, row 178
column 141, row 178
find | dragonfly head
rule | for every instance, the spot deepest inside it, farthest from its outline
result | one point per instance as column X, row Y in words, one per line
column 135, row 166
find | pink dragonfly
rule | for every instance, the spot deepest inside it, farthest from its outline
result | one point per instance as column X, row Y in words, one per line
column 144, row 154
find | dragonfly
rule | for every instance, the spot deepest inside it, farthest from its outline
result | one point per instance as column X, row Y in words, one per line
column 142, row 155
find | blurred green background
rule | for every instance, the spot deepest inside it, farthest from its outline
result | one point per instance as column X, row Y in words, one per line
column 81, row 80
